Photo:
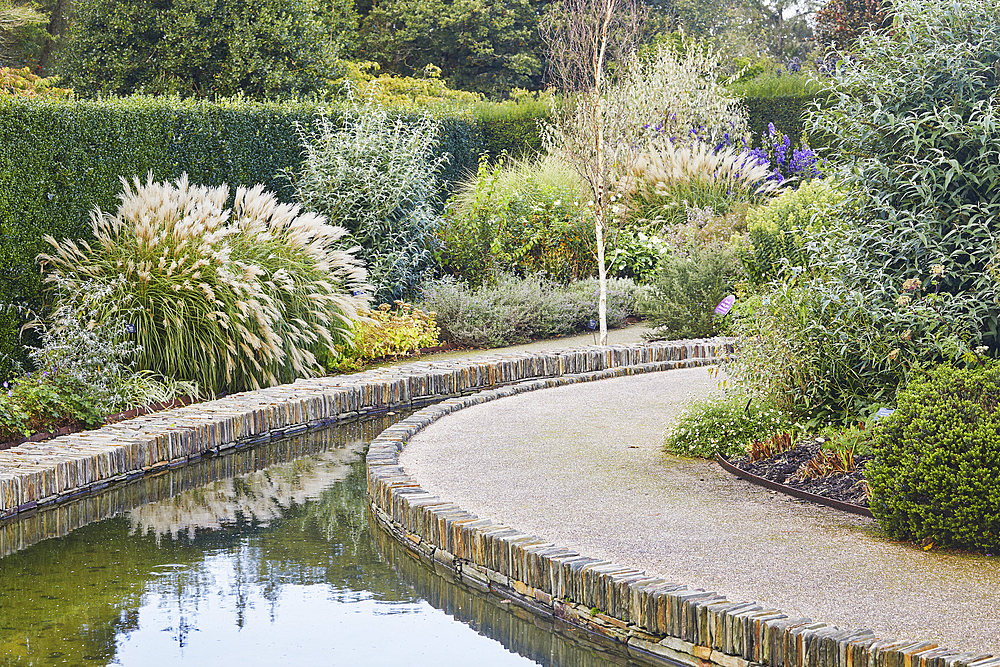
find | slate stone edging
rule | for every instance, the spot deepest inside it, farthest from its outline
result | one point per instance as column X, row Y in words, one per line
column 34, row 475
column 657, row 621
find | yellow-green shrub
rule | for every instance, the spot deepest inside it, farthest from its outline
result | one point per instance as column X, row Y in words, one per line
column 775, row 230
column 386, row 332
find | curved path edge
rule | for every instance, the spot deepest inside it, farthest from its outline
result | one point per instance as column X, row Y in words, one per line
column 657, row 621
column 36, row 475
column 734, row 469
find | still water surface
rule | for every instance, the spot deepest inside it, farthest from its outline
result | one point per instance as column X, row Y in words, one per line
column 262, row 557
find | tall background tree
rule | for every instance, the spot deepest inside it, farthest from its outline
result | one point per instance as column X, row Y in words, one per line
column 840, row 22
column 487, row 46
column 17, row 22
column 583, row 38
column 205, row 47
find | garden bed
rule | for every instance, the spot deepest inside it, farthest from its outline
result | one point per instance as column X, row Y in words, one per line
column 845, row 491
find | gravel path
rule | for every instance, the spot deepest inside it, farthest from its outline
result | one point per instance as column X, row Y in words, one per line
column 582, row 466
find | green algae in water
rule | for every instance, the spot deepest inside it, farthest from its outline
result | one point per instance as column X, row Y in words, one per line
column 262, row 556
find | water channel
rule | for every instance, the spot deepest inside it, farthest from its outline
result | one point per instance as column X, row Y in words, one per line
column 265, row 556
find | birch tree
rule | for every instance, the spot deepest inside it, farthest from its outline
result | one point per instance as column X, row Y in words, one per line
column 583, row 38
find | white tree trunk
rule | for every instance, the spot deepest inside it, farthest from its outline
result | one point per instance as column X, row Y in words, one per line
column 602, row 279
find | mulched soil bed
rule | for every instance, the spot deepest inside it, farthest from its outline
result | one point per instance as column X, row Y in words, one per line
column 845, row 487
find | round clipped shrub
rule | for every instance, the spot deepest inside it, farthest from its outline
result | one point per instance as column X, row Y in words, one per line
column 936, row 473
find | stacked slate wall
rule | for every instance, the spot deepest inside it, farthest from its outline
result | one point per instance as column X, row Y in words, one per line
column 655, row 620
column 38, row 474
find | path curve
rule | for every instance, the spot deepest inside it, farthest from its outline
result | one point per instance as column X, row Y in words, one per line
column 581, row 465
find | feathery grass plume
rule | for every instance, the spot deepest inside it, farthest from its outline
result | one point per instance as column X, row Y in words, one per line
column 667, row 179
column 232, row 299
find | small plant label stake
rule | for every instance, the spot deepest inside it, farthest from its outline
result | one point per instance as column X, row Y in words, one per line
column 883, row 412
column 725, row 305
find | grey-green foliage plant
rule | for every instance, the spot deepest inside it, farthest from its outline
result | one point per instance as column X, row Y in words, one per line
column 509, row 309
column 914, row 122
column 375, row 173
column 687, row 286
column 936, row 472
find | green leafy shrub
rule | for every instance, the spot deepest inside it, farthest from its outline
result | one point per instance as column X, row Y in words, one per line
column 686, row 288
column 772, row 86
column 509, row 309
column 386, row 332
column 376, row 174
column 232, row 299
column 635, row 254
column 936, row 472
column 206, row 48
column 511, row 127
column 727, row 426
column 527, row 216
column 820, row 349
column 46, row 401
column 82, row 370
column 776, row 236
column 786, row 113
column 914, row 124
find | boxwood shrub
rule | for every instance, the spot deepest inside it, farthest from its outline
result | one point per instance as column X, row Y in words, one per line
column 936, row 473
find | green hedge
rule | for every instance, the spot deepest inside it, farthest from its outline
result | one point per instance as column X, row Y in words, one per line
column 61, row 158
column 785, row 112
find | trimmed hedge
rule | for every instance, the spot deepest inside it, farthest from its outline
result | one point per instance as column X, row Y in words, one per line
column 785, row 112
column 61, row 158
column 936, row 473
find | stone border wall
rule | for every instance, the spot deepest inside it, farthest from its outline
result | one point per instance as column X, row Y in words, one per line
column 34, row 475
column 657, row 621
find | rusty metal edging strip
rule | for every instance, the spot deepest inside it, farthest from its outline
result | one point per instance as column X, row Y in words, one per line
column 796, row 493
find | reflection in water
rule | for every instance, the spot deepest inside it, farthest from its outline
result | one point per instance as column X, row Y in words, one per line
column 550, row 643
column 259, row 557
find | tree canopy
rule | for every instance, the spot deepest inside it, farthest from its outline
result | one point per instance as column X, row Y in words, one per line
column 487, row 46
column 205, row 47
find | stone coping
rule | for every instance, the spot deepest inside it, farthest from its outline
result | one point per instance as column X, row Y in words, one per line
column 34, row 475
column 657, row 621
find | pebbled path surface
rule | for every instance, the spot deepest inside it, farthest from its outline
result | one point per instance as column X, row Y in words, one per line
column 582, row 466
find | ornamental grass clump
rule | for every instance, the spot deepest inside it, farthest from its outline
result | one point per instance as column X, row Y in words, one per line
column 232, row 299
column 667, row 179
